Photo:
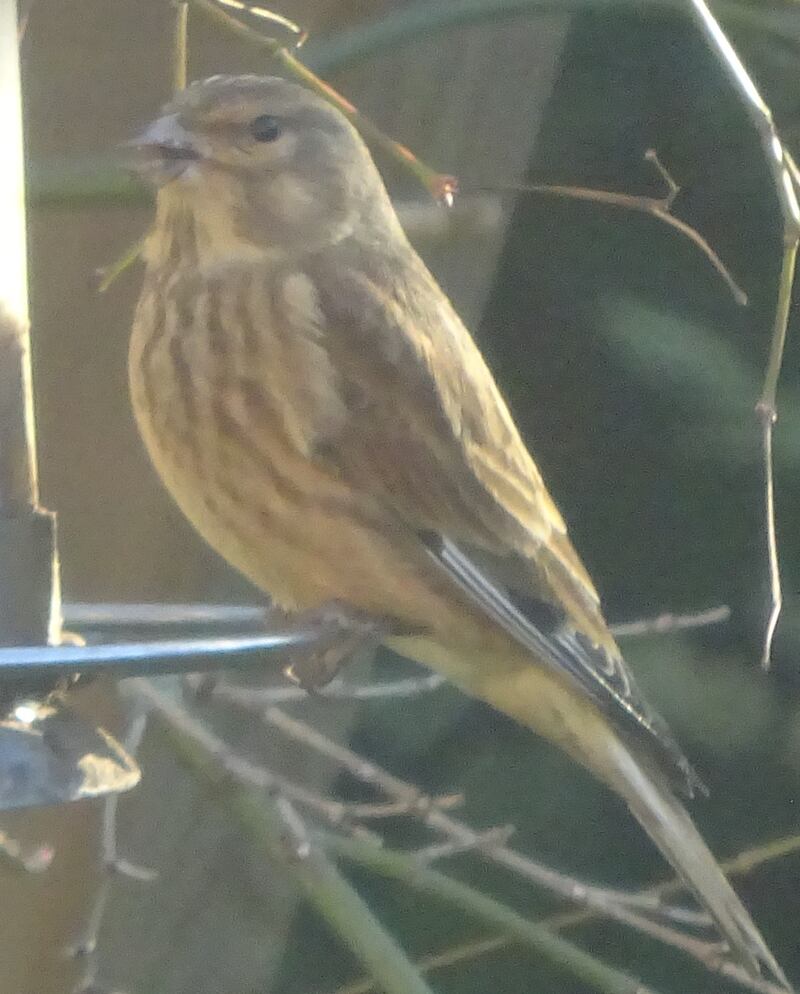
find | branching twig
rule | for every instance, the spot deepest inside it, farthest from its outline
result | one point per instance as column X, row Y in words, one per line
column 85, row 947
column 445, row 850
column 277, row 826
column 657, row 207
column 631, row 910
column 274, row 825
column 406, row 869
column 782, row 169
column 611, row 903
column 338, row 814
column 440, row 186
column 745, row 862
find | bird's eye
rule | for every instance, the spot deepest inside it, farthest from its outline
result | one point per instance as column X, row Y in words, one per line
column 265, row 128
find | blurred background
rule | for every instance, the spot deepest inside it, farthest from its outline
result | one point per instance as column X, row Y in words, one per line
column 632, row 372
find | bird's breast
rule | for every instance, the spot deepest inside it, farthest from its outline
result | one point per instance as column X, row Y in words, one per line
column 230, row 401
column 233, row 394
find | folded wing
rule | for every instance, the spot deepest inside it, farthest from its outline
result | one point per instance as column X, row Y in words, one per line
column 432, row 438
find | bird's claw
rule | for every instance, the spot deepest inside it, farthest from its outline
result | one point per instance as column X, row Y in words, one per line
column 343, row 634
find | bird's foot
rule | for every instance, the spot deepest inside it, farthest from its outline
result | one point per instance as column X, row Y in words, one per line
column 341, row 634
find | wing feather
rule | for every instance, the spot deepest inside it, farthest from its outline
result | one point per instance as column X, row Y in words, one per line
column 431, row 437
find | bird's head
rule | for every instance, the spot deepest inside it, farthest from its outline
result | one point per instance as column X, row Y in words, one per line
column 262, row 161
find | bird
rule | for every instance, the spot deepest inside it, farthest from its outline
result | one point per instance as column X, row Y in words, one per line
column 319, row 412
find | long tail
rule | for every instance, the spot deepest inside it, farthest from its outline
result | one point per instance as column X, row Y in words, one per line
column 549, row 706
column 668, row 824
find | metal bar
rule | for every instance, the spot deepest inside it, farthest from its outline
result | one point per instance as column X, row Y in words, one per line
column 157, row 658
column 81, row 616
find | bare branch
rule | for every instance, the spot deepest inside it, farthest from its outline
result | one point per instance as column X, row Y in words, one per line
column 659, row 208
column 611, row 903
column 745, row 862
column 85, row 946
column 440, row 186
column 784, row 175
column 445, row 850
column 631, row 910
column 260, row 697
column 667, row 622
column 278, row 826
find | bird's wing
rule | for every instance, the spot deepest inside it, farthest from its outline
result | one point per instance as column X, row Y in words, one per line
column 430, row 435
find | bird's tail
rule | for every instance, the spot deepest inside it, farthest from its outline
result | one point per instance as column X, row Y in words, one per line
column 668, row 824
column 549, row 706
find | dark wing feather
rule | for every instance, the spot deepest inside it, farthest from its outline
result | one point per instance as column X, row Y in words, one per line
column 547, row 634
column 431, row 436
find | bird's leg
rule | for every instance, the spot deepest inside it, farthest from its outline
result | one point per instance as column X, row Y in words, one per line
column 341, row 634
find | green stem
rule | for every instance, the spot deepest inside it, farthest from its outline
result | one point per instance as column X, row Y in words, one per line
column 180, row 46
column 261, row 818
column 784, row 172
column 72, row 183
column 404, row 868
column 782, row 308
column 128, row 257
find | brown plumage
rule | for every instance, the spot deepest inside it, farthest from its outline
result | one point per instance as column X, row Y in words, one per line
column 321, row 415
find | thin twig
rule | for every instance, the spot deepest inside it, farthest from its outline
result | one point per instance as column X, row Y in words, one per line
column 273, row 822
column 445, row 850
column 262, row 697
column 431, row 811
column 406, row 869
column 268, row 15
column 440, row 186
column 664, row 623
column 335, row 813
column 259, row 697
column 610, row 903
column 743, row 863
column 467, row 951
column 108, row 274
column 657, row 207
column 85, row 947
column 274, row 825
column 180, row 46
column 783, row 171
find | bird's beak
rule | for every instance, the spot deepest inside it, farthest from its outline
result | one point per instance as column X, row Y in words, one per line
column 163, row 151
